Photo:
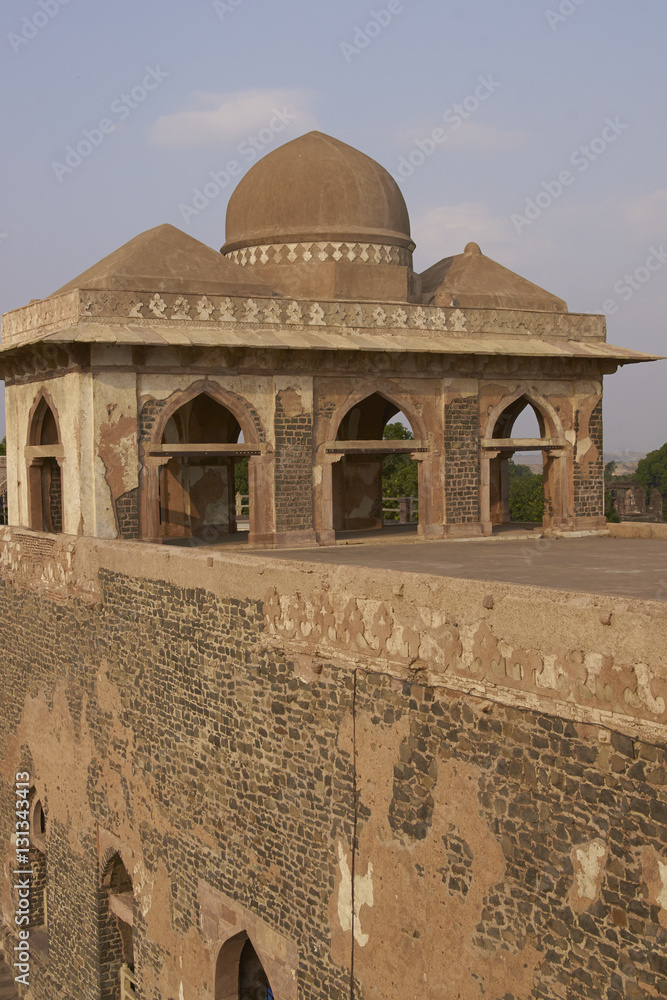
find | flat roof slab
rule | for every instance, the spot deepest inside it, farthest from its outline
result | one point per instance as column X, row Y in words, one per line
column 623, row 567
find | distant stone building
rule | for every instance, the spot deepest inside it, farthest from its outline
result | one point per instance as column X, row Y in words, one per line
column 134, row 391
column 630, row 502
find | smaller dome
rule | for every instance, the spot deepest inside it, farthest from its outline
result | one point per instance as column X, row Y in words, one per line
column 317, row 188
column 164, row 259
column 473, row 281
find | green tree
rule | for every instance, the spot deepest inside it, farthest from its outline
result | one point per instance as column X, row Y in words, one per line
column 527, row 498
column 3, row 446
column 652, row 471
column 652, row 474
column 241, row 477
column 610, row 469
column 610, row 505
column 400, row 477
column 517, row 471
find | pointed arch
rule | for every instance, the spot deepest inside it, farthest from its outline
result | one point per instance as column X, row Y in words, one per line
column 241, row 973
column 44, row 460
column 38, row 861
column 192, row 490
column 499, row 446
column 513, row 404
column 43, row 421
column 247, row 418
column 397, row 400
column 116, row 922
column 352, row 493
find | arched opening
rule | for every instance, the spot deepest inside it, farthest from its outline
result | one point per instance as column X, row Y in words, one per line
column 375, row 482
column 38, row 885
column 204, row 492
column 44, row 455
column 116, row 930
column 520, row 453
column 239, row 973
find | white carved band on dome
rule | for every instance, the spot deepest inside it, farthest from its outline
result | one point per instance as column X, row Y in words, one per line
column 325, row 251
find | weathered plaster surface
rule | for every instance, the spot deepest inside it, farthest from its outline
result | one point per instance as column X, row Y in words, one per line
column 401, row 904
column 295, row 767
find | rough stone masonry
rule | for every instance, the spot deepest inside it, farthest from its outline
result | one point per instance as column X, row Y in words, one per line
column 390, row 787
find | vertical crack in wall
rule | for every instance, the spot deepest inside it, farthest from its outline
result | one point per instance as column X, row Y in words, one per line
column 354, row 824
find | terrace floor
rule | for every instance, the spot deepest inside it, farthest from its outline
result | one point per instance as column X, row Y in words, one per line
column 624, row 567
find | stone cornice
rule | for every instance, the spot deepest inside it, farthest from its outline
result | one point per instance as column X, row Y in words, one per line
column 47, row 316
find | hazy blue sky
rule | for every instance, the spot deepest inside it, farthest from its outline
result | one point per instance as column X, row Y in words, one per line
column 184, row 89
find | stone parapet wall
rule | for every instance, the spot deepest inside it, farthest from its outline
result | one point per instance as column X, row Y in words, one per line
column 449, row 785
column 633, row 529
column 591, row 658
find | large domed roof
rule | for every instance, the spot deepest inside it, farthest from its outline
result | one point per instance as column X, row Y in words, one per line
column 317, row 188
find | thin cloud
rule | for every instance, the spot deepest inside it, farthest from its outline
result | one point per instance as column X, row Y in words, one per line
column 220, row 118
column 645, row 216
column 469, row 134
column 487, row 137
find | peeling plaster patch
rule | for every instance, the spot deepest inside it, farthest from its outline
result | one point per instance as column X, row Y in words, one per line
column 584, row 445
column 118, row 451
column 363, row 896
column 344, row 891
column 589, row 865
column 662, row 896
column 655, row 877
column 410, row 917
column 644, row 696
column 291, row 402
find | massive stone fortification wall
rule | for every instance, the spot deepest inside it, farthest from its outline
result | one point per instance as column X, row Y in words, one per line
column 423, row 787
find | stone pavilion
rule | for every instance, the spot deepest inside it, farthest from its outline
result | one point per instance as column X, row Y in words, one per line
column 134, row 391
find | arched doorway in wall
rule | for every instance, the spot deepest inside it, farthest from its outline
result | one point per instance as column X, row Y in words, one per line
column 38, row 867
column 116, row 932
column 204, row 490
column 239, row 973
column 44, row 456
column 375, row 481
column 522, row 483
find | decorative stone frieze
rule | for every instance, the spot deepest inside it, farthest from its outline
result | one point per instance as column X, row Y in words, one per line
column 581, row 685
column 322, row 252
